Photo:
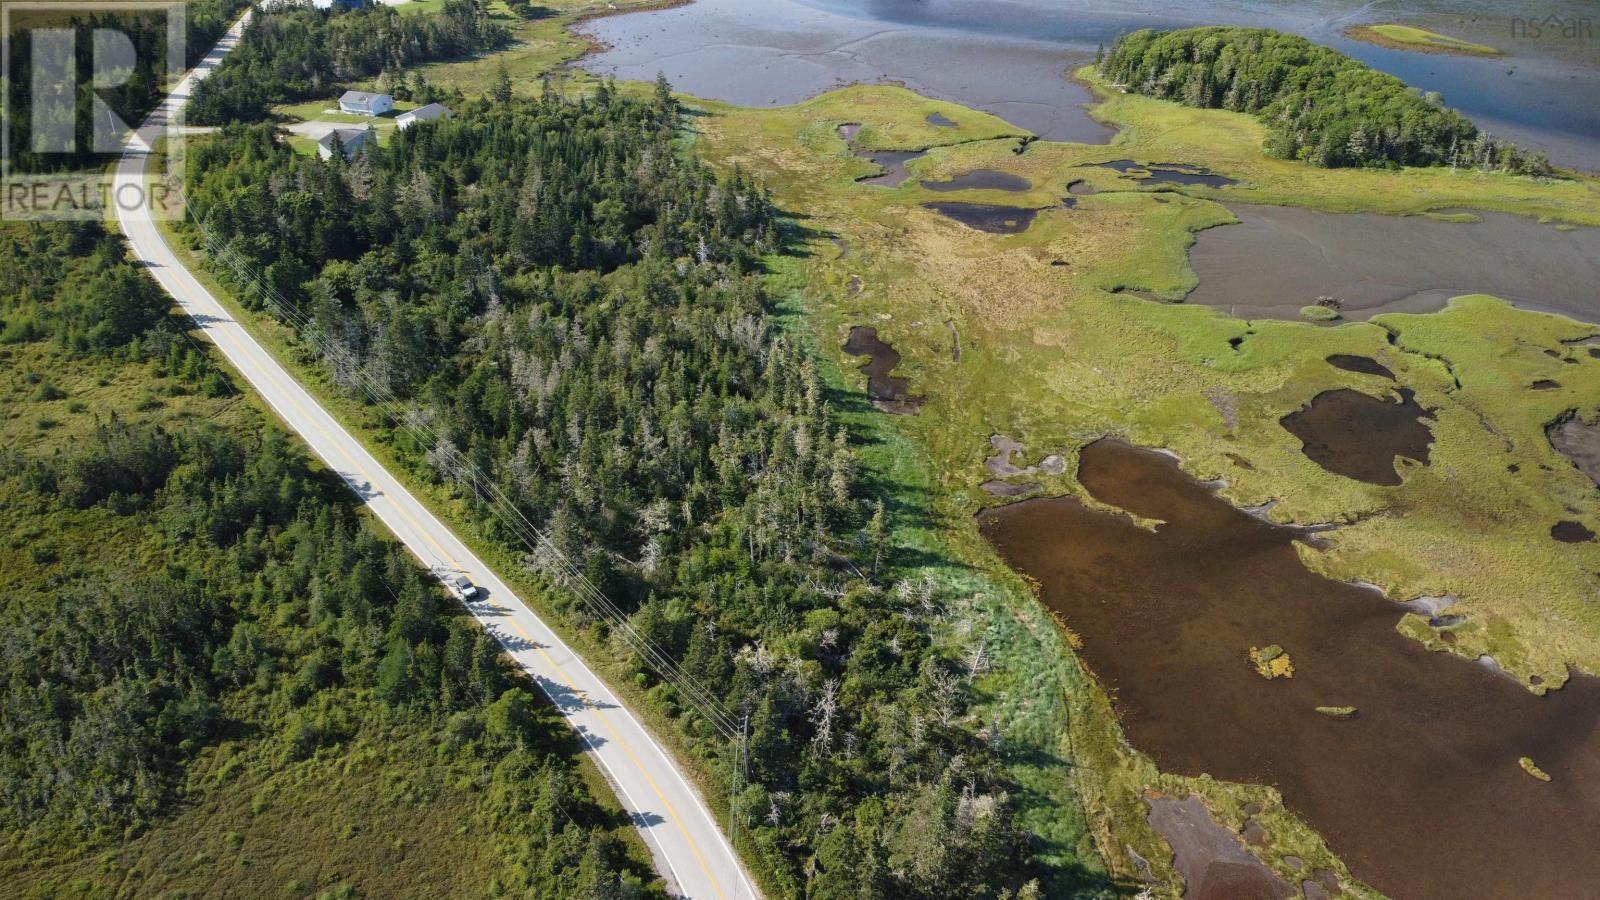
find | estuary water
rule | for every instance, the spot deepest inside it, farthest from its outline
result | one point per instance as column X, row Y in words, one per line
column 1011, row 57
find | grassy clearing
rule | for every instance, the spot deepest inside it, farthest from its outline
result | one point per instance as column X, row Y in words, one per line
column 85, row 396
column 389, row 811
column 1407, row 37
column 1057, row 352
column 419, row 7
column 380, row 817
column 327, row 110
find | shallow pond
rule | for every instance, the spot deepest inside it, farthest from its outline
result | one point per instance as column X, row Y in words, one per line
column 887, row 391
column 980, row 180
column 1169, row 173
column 1420, row 791
column 1570, row 532
column 893, row 162
column 1361, row 365
column 1279, row 258
column 1359, row 436
column 894, row 166
column 987, row 216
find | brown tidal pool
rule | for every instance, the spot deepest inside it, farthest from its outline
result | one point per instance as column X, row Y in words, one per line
column 887, row 391
column 988, row 217
column 1420, row 792
column 1358, row 435
column 1169, row 173
column 980, row 180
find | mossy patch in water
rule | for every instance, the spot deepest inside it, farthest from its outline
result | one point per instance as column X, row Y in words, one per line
column 1272, row 661
column 1528, row 766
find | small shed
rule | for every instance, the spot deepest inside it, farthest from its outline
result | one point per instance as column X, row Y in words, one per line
column 362, row 103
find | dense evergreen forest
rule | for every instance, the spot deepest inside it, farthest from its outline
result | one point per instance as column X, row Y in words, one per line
column 574, row 305
column 297, row 53
column 1319, row 105
column 130, row 98
column 175, row 591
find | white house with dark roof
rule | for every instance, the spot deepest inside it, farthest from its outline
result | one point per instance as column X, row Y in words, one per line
column 362, row 103
column 433, row 112
column 350, row 139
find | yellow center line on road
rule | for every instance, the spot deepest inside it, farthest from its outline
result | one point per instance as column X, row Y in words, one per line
column 672, row 813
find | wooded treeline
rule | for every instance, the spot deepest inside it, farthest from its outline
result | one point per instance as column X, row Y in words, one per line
column 1318, row 104
column 573, row 305
column 169, row 589
column 130, row 95
column 298, row 53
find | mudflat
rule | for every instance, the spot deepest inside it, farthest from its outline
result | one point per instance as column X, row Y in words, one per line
column 1279, row 259
column 1008, row 56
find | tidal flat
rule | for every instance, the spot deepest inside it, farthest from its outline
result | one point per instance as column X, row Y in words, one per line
column 1280, row 258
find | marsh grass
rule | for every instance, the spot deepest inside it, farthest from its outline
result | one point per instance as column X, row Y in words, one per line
column 1407, row 37
column 1058, row 349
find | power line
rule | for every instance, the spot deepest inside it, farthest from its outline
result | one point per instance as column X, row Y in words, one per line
column 541, row 548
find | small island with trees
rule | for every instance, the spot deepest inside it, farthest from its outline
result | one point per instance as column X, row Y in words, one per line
column 1319, row 105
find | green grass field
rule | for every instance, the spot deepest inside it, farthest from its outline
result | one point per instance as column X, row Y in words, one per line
column 1407, row 37
column 327, row 110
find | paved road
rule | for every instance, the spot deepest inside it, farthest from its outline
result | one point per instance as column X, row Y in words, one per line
column 689, row 849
